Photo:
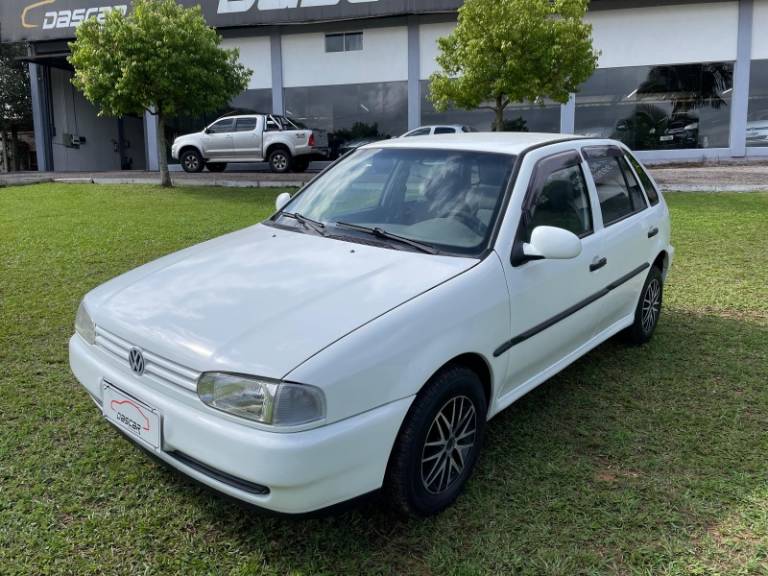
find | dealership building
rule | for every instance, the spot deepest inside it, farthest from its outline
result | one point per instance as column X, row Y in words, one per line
column 677, row 80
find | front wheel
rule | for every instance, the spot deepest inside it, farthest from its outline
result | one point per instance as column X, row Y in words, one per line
column 280, row 160
column 648, row 309
column 438, row 444
column 192, row 161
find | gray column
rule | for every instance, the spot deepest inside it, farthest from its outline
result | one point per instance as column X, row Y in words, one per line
column 414, row 73
column 150, row 142
column 276, row 50
column 568, row 116
column 39, row 120
column 741, row 71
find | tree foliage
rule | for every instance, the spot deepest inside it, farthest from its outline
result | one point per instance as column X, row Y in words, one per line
column 506, row 51
column 160, row 57
column 15, row 103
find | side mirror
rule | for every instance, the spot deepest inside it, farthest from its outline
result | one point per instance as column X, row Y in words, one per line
column 207, row 130
column 553, row 244
column 282, row 200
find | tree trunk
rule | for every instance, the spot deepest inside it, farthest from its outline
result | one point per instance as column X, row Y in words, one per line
column 498, row 125
column 4, row 158
column 162, row 159
column 15, row 148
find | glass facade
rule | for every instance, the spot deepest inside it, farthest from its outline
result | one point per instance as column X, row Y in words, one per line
column 517, row 117
column 757, row 119
column 659, row 107
column 351, row 113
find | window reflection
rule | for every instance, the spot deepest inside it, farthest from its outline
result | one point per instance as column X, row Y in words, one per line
column 517, row 117
column 757, row 119
column 658, row 107
column 351, row 114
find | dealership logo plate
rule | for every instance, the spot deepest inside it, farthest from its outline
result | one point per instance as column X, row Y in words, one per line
column 131, row 415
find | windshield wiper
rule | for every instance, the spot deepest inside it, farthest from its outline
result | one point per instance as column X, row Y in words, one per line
column 318, row 227
column 381, row 233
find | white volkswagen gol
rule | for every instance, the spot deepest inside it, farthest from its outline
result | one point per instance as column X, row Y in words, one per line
column 364, row 334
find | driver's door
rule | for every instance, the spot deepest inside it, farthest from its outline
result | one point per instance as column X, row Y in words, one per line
column 554, row 304
column 218, row 141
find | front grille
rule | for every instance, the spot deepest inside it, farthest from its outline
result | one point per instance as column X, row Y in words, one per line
column 156, row 367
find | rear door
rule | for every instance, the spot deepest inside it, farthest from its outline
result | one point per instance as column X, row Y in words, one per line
column 247, row 138
column 628, row 229
column 218, row 142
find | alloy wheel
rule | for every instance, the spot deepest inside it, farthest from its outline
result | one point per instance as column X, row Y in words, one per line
column 280, row 161
column 450, row 440
column 191, row 162
column 651, row 305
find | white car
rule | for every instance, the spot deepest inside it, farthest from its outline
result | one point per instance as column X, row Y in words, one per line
column 439, row 130
column 284, row 143
column 363, row 335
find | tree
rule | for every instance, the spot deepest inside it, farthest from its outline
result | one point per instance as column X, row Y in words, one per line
column 161, row 58
column 505, row 51
column 15, row 100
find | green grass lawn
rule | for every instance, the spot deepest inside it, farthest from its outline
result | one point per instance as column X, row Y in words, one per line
column 632, row 461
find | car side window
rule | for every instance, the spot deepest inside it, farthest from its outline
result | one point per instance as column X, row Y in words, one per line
column 445, row 130
column 419, row 132
column 619, row 196
column 221, row 126
column 560, row 197
column 245, row 124
column 650, row 189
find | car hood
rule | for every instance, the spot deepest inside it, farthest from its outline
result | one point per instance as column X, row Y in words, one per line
column 261, row 300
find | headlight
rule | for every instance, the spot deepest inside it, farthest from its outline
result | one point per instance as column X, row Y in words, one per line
column 693, row 126
column 84, row 325
column 262, row 400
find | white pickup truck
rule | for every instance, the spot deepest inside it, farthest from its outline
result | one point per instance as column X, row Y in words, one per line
column 282, row 142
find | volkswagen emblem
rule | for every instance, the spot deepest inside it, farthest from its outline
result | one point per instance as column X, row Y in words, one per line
column 136, row 360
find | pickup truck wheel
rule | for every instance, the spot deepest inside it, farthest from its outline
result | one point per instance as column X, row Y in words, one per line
column 192, row 161
column 300, row 164
column 438, row 444
column 280, row 160
column 216, row 166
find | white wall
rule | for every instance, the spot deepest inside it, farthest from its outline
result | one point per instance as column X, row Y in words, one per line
column 384, row 58
column 760, row 30
column 256, row 54
column 666, row 34
column 428, row 35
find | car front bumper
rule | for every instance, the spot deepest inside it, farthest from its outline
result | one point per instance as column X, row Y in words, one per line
column 290, row 473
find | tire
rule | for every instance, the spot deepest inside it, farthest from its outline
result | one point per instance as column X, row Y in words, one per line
column 216, row 166
column 192, row 161
column 648, row 309
column 300, row 164
column 280, row 160
column 422, row 477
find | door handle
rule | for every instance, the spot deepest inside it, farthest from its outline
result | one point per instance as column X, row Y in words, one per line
column 598, row 263
column 652, row 232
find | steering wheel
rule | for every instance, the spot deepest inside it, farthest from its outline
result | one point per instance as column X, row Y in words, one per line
column 470, row 220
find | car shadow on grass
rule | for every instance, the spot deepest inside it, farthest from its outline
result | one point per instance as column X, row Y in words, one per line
column 631, row 459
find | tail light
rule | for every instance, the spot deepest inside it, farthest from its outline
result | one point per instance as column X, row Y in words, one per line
column 311, row 139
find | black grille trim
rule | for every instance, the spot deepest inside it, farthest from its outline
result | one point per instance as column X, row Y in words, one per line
column 218, row 475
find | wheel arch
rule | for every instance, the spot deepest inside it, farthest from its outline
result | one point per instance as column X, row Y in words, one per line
column 194, row 147
column 662, row 263
column 275, row 146
column 475, row 362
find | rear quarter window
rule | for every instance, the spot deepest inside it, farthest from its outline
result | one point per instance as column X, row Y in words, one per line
column 650, row 189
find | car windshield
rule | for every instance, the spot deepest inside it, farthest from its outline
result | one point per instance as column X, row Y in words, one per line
column 446, row 199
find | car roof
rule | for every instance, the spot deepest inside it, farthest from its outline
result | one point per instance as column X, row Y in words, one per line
column 503, row 142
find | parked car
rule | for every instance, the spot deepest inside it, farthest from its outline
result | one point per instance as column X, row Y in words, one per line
column 363, row 335
column 351, row 145
column 757, row 130
column 284, row 143
column 435, row 130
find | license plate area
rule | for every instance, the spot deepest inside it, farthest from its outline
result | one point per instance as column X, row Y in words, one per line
column 131, row 415
column 667, row 138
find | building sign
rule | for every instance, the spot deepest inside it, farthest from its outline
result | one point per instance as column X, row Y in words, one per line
column 36, row 20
